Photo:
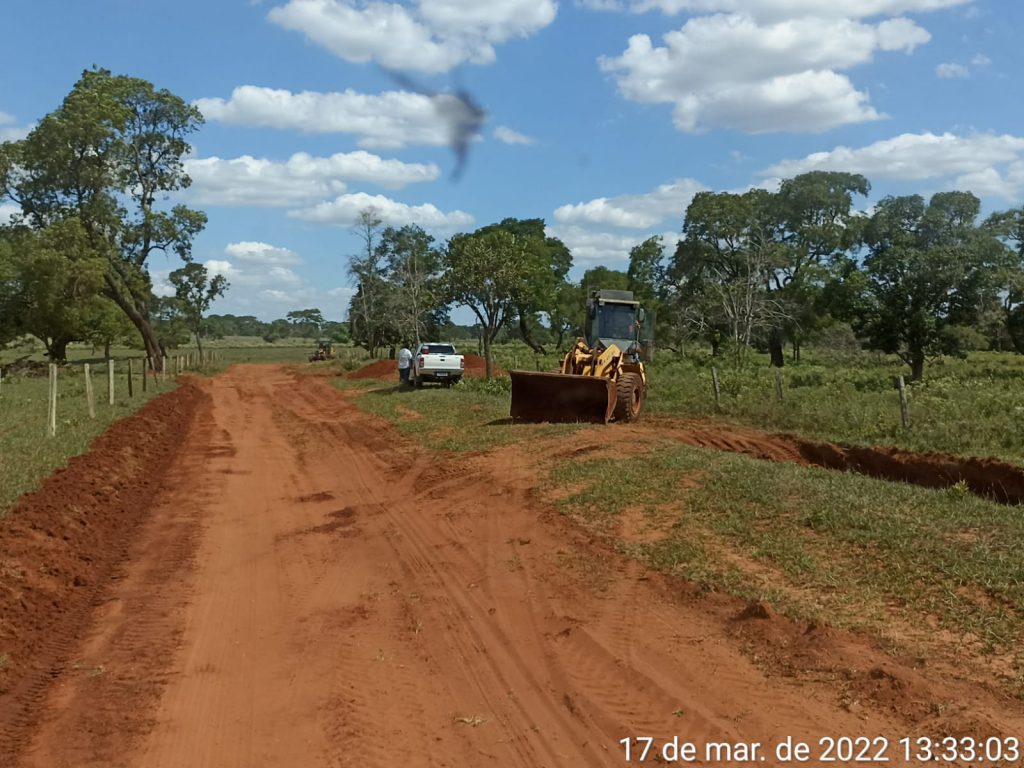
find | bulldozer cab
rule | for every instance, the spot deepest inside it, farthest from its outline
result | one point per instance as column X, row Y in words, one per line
column 613, row 317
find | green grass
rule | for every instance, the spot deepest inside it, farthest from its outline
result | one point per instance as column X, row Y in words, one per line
column 851, row 550
column 27, row 453
column 972, row 407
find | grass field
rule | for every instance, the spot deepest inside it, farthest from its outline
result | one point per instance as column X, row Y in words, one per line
column 27, row 453
column 973, row 407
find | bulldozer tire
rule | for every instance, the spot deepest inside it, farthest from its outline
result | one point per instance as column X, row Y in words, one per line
column 629, row 397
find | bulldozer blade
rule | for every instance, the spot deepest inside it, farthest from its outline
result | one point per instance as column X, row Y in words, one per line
column 561, row 397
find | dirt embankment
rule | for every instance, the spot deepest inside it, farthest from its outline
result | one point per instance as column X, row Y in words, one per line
column 991, row 478
column 476, row 367
column 60, row 545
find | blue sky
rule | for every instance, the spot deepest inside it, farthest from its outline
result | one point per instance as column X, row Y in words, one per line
column 604, row 117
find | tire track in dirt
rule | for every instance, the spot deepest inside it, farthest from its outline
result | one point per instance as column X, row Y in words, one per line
column 354, row 600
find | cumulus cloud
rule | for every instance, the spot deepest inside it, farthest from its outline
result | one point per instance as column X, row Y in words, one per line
column 8, row 210
column 431, row 36
column 735, row 71
column 10, row 130
column 592, row 247
column 777, row 9
column 344, row 210
column 666, row 203
column 392, row 119
column 986, row 164
column 953, row 70
column 264, row 281
column 508, row 136
column 261, row 253
column 950, row 70
column 250, row 181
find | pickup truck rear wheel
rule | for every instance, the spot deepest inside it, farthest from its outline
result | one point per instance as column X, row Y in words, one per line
column 417, row 382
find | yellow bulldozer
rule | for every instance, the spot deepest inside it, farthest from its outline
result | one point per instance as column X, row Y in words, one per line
column 602, row 377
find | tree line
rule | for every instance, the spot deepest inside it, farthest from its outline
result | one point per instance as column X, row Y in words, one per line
column 752, row 270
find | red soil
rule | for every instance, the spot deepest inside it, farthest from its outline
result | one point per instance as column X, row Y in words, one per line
column 60, row 545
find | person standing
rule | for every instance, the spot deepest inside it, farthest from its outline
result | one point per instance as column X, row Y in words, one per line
column 404, row 363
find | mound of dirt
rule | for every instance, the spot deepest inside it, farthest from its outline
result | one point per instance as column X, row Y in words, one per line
column 60, row 545
column 476, row 367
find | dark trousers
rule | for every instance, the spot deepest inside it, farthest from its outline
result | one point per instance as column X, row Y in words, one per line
column 403, row 375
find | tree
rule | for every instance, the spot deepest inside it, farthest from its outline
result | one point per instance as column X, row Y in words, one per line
column 922, row 264
column 307, row 322
column 195, row 291
column 368, row 308
column 487, row 272
column 547, row 263
column 107, row 155
column 52, row 282
column 813, row 218
column 411, row 268
column 1008, row 228
column 720, row 272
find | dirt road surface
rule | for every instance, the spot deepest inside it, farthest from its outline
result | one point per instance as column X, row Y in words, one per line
column 310, row 589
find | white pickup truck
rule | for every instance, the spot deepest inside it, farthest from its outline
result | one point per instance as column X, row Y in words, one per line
column 436, row 362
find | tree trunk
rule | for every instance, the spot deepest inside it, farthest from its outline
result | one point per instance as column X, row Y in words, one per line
column 140, row 320
column 527, row 334
column 1015, row 328
column 916, row 364
column 106, row 350
column 775, row 350
column 57, row 349
column 488, row 360
column 199, row 346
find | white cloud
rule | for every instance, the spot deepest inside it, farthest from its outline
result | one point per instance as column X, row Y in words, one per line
column 261, row 253
column 344, row 211
column 590, row 247
column 7, row 210
column 733, row 71
column 432, row 36
column 508, row 136
column 246, row 180
column 951, row 70
column 985, row 163
column 10, row 130
column 778, row 9
column 392, row 119
column 667, row 202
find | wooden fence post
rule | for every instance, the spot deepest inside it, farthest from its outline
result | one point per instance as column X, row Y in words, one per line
column 145, row 372
column 717, row 386
column 131, row 393
column 90, row 402
column 163, row 366
column 778, row 385
column 52, row 402
column 904, row 408
column 110, row 380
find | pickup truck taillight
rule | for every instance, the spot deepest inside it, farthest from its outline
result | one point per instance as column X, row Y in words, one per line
column 462, row 362
column 421, row 361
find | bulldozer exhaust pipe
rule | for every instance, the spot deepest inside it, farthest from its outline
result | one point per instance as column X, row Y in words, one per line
column 561, row 397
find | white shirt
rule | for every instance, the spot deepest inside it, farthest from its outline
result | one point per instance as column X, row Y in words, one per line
column 404, row 358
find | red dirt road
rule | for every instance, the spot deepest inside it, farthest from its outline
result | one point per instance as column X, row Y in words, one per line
column 310, row 589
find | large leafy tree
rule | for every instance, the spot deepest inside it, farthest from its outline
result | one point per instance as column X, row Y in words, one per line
column 51, row 281
column 195, row 290
column 411, row 265
column 720, row 274
column 547, row 264
column 489, row 272
column 1008, row 228
column 814, row 220
column 307, row 322
column 924, row 264
column 108, row 156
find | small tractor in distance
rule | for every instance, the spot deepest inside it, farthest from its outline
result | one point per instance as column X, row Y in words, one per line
column 602, row 377
column 324, row 351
